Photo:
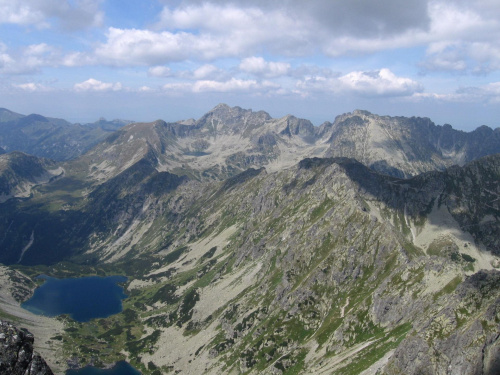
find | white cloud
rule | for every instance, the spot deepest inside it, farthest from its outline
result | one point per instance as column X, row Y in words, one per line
column 300, row 28
column 31, row 87
column 6, row 60
column 458, row 35
column 207, row 71
column 27, row 60
column 145, row 89
column 486, row 94
column 95, row 85
column 160, row 71
column 336, row 16
column 463, row 36
column 70, row 15
column 260, row 67
column 178, row 87
column 226, row 86
column 18, row 12
column 232, row 85
column 382, row 82
column 125, row 47
column 363, row 83
column 74, row 59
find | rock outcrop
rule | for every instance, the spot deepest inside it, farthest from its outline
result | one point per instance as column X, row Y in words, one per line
column 17, row 356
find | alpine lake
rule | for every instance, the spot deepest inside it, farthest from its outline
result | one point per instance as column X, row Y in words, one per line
column 83, row 299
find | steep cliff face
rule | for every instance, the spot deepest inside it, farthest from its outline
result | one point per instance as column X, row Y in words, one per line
column 16, row 352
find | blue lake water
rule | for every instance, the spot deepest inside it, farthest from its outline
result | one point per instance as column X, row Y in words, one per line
column 121, row 368
column 84, row 298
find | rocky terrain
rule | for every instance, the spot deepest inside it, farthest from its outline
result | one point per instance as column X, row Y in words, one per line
column 16, row 352
column 255, row 245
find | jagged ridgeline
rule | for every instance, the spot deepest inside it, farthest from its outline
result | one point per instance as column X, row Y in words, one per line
column 262, row 246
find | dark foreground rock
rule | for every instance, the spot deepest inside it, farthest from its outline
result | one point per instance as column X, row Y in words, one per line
column 16, row 352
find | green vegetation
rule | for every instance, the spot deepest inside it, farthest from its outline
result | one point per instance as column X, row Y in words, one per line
column 175, row 254
column 380, row 346
column 448, row 288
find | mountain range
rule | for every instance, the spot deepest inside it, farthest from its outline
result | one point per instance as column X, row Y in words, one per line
column 51, row 138
column 258, row 245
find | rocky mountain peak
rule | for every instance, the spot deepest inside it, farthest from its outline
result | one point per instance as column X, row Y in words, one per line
column 361, row 112
column 224, row 118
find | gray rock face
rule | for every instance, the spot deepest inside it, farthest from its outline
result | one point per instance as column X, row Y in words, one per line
column 472, row 349
column 16, row 352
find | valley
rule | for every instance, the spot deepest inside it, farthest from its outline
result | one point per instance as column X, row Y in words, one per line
column 253, row 245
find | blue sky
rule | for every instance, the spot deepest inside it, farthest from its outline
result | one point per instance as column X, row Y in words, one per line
column 144, row 60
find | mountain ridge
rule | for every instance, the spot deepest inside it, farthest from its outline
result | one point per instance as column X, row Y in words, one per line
column 227, row 141
column 51, row 138
column 249, row 249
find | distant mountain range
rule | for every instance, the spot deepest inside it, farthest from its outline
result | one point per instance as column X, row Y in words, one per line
column 51, row 138
column 255, row 245
column 229, row 140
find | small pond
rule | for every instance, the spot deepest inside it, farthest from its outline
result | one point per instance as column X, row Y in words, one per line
column 121, row 368
column 84, row 298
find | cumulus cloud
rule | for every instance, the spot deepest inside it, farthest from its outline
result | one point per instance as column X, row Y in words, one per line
column 458, row 35
column 27, row 60
column 260, row 67
column 241, row 30
column 485, row 94
column 160, row 71
column 18, row 12
column 145, row 89
column 70, row 15
column 125, row 47
column 337, row 28
column 381, row 82
column 228, row 86
column 94, row 85
column 363, row 83
column 208, row 71
column 231, row 85
column 5, row 59
column 31, row 87
column 361, row 18
column 463, row 36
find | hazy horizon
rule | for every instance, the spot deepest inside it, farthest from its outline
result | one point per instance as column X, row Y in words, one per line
column 82, row 60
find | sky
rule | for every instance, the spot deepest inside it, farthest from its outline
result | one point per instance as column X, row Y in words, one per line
column 177, row 59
